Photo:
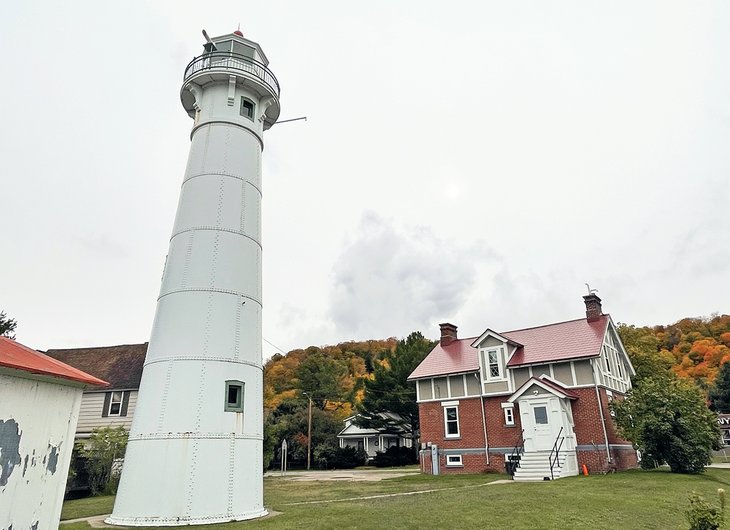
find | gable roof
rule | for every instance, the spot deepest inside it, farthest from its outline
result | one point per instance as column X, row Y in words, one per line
column 574, row 339
column 455, row 358
column 19, row 357
column 120, row 365
column 545, row 383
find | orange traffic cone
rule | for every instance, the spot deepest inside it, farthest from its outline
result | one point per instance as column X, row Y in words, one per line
column 585, row 470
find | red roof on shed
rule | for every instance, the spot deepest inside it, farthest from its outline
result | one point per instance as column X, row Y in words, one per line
column 15, row 355
column 574, row 339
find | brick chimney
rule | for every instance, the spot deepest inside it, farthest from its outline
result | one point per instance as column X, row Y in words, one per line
column 593, row 307
column 448, row 333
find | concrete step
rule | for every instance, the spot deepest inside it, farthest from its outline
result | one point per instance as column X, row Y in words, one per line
column 535, row 466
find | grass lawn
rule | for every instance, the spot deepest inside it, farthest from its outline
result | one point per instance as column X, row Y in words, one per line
column 78, row 508
column 635, row 499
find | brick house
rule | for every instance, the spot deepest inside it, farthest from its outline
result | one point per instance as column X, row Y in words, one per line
column 538, row 396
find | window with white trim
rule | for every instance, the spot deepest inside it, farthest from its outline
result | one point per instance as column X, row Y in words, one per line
column 509, row 416
column 451, row 422
column 493, row 361
column 115, row 404
column 454, row 460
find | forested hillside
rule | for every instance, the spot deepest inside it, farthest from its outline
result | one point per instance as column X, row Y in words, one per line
column 334, row 377
column 332, row 374
column 693, row 348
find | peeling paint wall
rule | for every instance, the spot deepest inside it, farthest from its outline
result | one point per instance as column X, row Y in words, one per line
column 37, row 425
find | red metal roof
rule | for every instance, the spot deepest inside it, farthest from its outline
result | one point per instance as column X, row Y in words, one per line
column 15, row 355
column 454, row 358
column 557, row 386
column 574, row 339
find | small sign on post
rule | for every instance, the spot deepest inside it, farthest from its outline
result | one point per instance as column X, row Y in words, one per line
column 283, row 457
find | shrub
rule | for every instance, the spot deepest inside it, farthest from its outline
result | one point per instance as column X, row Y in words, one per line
column 348, row 458
column 328, row 457
column 102, row 453
column 395, row 456
column 702, row 515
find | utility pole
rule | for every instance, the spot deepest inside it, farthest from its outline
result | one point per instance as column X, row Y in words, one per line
column 309, row 432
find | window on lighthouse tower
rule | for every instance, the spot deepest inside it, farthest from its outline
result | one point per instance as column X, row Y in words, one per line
column 247, row 108
column 234, row 396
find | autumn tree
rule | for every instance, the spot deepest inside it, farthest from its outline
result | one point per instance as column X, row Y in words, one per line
column 668, row 419
column 389, row 403
column 645, row 352
column 7, row 326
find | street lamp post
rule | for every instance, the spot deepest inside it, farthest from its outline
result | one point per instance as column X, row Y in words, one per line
column 309, row 432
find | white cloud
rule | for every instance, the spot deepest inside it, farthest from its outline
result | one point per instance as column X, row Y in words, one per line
column 391, row 280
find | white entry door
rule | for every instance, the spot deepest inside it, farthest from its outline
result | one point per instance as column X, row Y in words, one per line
column 542, row 435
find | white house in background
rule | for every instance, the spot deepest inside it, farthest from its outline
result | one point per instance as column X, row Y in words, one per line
column 39, row 406
column 113, row 405
column 369, row 440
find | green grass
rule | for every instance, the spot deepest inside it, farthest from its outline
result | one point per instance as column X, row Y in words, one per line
column 78, row 508
column 630, row 500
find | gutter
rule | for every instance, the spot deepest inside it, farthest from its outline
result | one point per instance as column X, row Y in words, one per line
column 484, row 418
column 600, row 412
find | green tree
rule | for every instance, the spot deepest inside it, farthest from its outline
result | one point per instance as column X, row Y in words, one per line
column 105, row 446
column 7, row 326
column 720, row 390
column 324, row 379
column 390, row 399
column 289, row 421
column 667, row 418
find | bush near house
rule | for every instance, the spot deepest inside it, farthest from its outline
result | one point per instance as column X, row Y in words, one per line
column 395, row 456
column 104, row 447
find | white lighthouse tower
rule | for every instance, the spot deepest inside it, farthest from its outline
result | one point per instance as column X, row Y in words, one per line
column 195, row 447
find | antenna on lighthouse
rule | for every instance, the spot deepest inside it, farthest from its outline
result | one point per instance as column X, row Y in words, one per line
column 209, row 44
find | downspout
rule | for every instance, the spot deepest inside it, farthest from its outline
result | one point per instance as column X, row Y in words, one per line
column 484, row 420
column 600, row 411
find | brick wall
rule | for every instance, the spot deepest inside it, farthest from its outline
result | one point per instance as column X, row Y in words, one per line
column 587, row 417
column 588, row 429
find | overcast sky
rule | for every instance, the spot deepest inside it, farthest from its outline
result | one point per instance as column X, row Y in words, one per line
column 470, row 162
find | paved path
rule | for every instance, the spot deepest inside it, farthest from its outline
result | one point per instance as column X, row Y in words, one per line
column 357, row 475
column 403, row 494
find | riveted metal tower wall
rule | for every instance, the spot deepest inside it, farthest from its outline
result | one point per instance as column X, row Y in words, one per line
column 195, row 447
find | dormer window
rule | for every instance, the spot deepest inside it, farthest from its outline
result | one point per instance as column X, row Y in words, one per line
column 493, row 363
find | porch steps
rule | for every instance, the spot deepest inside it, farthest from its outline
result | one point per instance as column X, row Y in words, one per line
column 535, row 467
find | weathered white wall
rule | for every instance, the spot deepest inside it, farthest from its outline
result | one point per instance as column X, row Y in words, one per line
column 90, row 414
column 37, row 424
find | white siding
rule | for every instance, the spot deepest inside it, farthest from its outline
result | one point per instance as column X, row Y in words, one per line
column 38, row 420
column 90, row 415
